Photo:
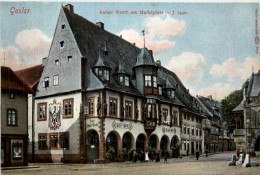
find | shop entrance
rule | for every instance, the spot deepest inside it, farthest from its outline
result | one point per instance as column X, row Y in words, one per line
column 92, row 146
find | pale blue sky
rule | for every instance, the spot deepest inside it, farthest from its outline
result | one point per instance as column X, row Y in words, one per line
column 217, row 31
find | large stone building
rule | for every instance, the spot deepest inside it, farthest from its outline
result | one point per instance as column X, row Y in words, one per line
column 247, row 116
column 14, row 118
column 98, row 91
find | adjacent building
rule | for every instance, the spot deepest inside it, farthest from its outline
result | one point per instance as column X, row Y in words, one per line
column 247, row 116
column 14, row 118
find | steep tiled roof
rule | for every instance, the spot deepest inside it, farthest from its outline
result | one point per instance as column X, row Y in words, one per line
column 145, row 58
column 212, row 105
column 31, row 76
column 239, row 107
column 10, row 81
column 255, row 85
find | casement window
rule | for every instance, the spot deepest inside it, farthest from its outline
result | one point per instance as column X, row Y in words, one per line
column 160, row 90
column 155, row 81
column 126, row 81
column 53, row 141
column 42, row 141
column 170, row 93
column 63, row 26
column 17, row 151
column 128, row 109
column 55, row 80
column 64, row 140
column 69, row 58
column 184, row 129
column 11, row 95
column 68, row 108
column 148, row 80
column 12, row 117
column 90, row 105
column 151, row 110
column 62, row 43
column 45, row 83
column 197, row 132
column 192, row 131
column 164, row 114
column 175, row 118
column 106, row 75
column 113, row 107
column 121, row 79
column 42, row 109
column 57, row 62
column 188, row 130
column 185, row 145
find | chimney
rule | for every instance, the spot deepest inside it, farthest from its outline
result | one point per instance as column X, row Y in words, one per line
column 120, row 36
column 44, row 60
column 134, row 44
column 100, row 25
column 210, row 97
column 70, row 8
column 158, row 62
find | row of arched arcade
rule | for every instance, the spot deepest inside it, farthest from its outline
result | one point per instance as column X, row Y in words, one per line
column 128, row 141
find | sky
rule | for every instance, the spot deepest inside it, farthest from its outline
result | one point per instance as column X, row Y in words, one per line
column 210, row 46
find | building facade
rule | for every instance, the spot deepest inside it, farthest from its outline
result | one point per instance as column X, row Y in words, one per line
column 14, row 128
column 247, row 116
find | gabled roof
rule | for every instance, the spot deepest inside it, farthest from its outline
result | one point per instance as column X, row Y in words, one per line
column 239, row 107
column 100, row 61
column 10, row 81
column 212, row 105
column 254, row 85
column 31, row 76
column 169, row 85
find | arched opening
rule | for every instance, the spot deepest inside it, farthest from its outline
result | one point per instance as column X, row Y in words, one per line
column 164, row 144
column 112, row 146
column 92, row 146
column 140, row 143
column 127, row 141
column 153, row 142
column 257, row 144
column 175, row 146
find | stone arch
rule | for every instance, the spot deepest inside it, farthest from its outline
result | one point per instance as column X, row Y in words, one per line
column 154, row 141
column 141, row 142
column 256, row 143
column 128, row 141
column 175, row 141
column 113, row 139
column 92, row 145
column 165, row 143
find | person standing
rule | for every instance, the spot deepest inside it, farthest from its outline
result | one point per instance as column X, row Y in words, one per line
column 197, row 154
column 165, row 158
column 206, row 153
column 134, row 157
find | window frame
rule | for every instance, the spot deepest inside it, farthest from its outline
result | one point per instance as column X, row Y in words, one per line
column 62, row 44
column 57, row 62
column 127, row 81
column 165, row 111
column 38, row 111
column 128, row 112
column 10, row 95
column 39, row 140
column 60, row 142
column 57, row 80
column 148, row 83
column 69, row 58
column 160, row 90
column 72, row 106
column 50, row 139
column 114, row 108
column 63, row 27
column 46, row 79
column 17, row 144
column 7, row 117
column 89, row 107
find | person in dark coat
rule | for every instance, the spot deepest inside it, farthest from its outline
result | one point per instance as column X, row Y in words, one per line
column 197, row 154
column 165, row 158
column 134, row 157
column 157, row 158
column 152, row 156
column 206, row 153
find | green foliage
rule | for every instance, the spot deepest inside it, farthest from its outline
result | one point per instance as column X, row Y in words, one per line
column 228, row 104
column 124, row 154
column 130, row 154
column 110, row 154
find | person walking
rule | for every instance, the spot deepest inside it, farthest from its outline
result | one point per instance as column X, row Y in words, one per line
column 197, row 154
column 134, row 157
column 165, row 157
column 206, row 153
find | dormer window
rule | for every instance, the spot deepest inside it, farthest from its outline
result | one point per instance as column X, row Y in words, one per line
column 127, row 81
column 102, row 73
column 160, row 90
column 124, row 80
column 63, row 26
column 106, row 75
column 61, row 44
column 148, row 80
column 121, row 79
column 170, row 93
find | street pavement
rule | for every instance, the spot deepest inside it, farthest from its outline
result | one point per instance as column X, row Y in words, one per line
column 213, row 164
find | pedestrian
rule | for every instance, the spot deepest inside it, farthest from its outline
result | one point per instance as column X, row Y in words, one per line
column 197, row 154
column 152, row 156
column 206, row 153
column 157, row 157
column 134, row 157
column 165, row 158
column 187, row 152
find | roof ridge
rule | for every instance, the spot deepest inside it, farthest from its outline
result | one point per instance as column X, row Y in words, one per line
column 28, row 68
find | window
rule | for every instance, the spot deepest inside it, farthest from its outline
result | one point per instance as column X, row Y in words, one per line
column 90, row 104
column 184, row 145
column 68, row 108
column 57, row 62
column 11, row 117
column 42, row 142
column 69, row 58
column 100, row 73
column 113, row 107
column 55, row 80
column 192, row 131
column 175, row 118
column 17, row 151
column 106, row 75
column 160, row 90
column 188, row 130
column 154, row 81
column 128, row 109
column 121, row 79
column 42, row 109
column 54, row 141
column 45, row 83
column 64, row 140
column 151, row 110
column 62, row 44
column 63, row 26
column 127, row 81
column 197, row 132
column 170, row 93
column 165, row 114
column 184, row 129
column 148, row 80
column 185, row 116
column 11, row 95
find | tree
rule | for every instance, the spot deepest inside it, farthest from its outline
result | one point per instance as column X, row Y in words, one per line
column 228, row 104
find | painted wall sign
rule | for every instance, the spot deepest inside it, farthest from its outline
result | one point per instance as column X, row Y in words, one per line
column 172, row 130
column 92, row 123
column 54, row 115
column 122, row 125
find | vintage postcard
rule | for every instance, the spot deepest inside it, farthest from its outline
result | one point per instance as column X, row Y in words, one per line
column 130, row 88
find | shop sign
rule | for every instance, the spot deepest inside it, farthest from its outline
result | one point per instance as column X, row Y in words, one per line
column 171, row 130
column 122, row 125
column 92, row 123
